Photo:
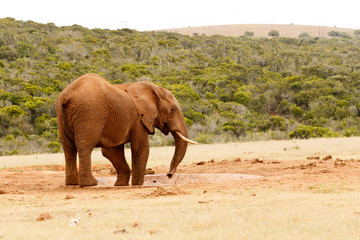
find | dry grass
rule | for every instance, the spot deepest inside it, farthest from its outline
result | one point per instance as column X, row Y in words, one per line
column 260, row 30
column 230, row 214
column 328, row 211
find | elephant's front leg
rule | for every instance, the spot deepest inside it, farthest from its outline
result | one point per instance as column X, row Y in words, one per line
column 116, row 156
column 139, row 154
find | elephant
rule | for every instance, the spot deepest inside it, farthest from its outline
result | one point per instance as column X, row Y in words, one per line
column 93, row 113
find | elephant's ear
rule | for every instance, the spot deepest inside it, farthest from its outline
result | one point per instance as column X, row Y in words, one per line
column 144, row 98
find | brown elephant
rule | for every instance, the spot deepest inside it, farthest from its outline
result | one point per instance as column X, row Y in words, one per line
column 93, row 113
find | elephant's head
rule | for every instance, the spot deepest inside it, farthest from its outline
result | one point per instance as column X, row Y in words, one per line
column 159, row 108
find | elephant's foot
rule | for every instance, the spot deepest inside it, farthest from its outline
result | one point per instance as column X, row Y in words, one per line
column 88, row 181
column 71, row 179
column 122, row 181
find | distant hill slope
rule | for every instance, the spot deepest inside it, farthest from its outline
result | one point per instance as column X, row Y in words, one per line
column 260, row 30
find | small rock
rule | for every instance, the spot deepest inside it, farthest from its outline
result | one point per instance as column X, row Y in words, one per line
column 2, row 191
column 339, row 162
column 69, row 196
column 135, row 224
column 149, row 171
column 256, row 160
column 43, row 217
column 328, row 157
column 200, row 163
column 121, row 231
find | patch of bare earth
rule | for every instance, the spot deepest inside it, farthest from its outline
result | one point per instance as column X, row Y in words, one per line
column 282, row 174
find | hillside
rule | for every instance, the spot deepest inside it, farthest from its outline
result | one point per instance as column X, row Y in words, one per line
column 230, row 88
column 260, row 30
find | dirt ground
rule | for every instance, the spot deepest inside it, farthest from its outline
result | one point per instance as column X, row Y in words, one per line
column 303, row 175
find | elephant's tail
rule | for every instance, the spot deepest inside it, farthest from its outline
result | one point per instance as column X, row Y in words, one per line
column 62, row 120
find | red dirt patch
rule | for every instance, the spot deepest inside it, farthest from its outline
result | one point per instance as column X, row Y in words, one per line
column 283, row 174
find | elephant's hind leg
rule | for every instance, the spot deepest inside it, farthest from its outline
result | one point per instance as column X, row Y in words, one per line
column 116, row 156
column 71, row 168
column 71, row 172
column 85, row 175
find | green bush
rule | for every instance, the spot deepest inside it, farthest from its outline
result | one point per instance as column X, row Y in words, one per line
column 273, row 33
column 54, row 147
column 305, row 132
column 249, row 34
column 304, row 35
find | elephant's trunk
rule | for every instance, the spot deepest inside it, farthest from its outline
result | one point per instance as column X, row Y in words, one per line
column 180, row 150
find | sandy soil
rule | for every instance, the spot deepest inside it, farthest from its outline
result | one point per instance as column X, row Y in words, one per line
column 281, row 174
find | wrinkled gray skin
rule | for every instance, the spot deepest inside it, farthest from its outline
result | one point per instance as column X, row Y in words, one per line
column 93, row 113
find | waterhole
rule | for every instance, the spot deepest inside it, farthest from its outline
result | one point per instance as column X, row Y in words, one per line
column 183, row 178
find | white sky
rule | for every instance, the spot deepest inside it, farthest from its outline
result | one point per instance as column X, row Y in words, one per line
column 161, row 14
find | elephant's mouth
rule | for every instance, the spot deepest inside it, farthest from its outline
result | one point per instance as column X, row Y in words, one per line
column 164, row 129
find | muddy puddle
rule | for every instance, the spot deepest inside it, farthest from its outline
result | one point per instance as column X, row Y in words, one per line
column 179, row 179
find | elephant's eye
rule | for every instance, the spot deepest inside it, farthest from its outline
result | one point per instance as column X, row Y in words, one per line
column 173, row 110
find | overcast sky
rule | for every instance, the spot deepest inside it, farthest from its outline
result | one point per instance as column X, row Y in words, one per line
column 162, row 14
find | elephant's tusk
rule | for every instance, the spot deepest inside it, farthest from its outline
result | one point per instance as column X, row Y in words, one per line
column 185, row 139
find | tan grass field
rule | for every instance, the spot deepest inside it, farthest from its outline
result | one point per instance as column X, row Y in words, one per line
column 298, row 198
column 260, row 30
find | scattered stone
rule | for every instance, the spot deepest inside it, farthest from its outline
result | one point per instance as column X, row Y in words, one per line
column 313, row 158
column 203, row 201
column 149, row 171
column 135, row 224
column 2, row 191
column 237, row 160
column 200, row 163
column 339, row 163
column 152, row 232
column 44, row 216
column 328, row 157
column 161, row 191
column 309, row 165
column 256, row 160
column 122, row 231
column 69, row 196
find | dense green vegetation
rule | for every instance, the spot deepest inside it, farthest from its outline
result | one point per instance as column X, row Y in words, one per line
column 230, row 88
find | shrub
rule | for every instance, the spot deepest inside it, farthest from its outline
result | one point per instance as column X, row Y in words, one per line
column 357, row 32
column 296, row 111
column 304, row 35
column 54, row 147
column 249, row 34
column 334, row 34
column 273, row 33
column 306, row 132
